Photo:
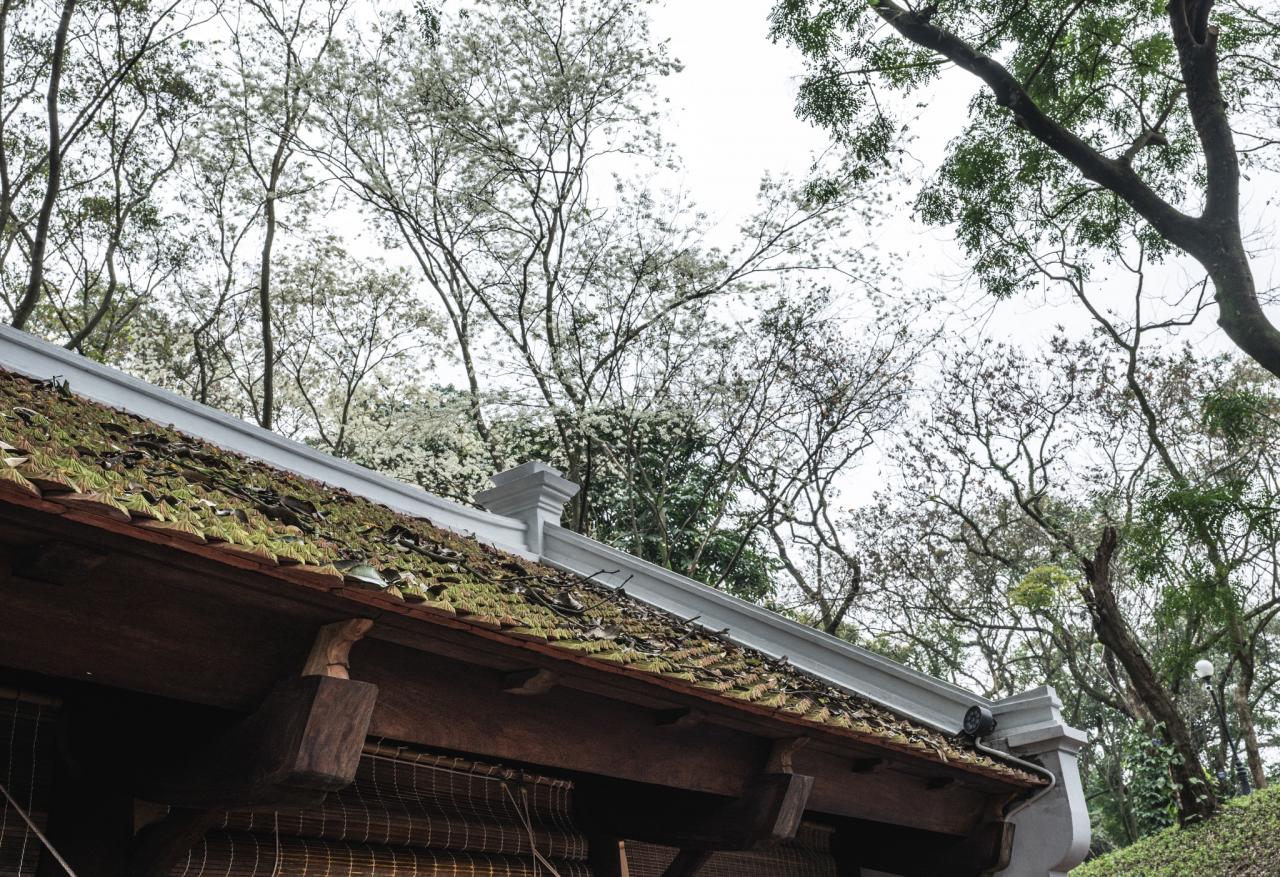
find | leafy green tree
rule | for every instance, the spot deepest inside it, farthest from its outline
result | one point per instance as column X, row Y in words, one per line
column 95, row 103
column 1083, row 558
column 278, row 49
column 474, row 139
column 1091, row 116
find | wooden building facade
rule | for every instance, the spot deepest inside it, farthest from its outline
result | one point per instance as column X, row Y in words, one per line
column 213, row 664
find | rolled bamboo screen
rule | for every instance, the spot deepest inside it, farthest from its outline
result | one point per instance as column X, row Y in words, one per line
column 808, row 855
column 408, row 814
column 249, row 855
column 28, row 747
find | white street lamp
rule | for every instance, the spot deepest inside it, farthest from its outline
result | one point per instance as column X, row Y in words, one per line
column 1204, row 672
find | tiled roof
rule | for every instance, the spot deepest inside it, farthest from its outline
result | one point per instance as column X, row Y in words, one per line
column 102, row 462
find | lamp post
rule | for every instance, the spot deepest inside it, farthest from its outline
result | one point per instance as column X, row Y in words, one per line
column 1204, row 672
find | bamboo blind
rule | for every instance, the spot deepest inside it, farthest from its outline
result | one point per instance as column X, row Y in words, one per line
column 249, row 855
column 808, row 855
column 408, row 814
column 28, row 747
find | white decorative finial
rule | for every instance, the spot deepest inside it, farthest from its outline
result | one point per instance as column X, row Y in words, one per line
column 532, row 492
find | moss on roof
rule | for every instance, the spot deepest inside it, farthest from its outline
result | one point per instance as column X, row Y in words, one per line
column 87, row 457
column 1241, row 841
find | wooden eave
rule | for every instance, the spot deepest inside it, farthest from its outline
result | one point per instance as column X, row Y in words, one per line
column 141, row 610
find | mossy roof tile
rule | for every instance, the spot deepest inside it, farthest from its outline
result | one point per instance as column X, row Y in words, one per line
column 106, row 462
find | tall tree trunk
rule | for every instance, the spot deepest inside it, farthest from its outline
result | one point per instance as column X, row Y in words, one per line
column 264, row 306
column 6, row 188
column 1245, row 655
column 1240, row 313
column 35, row 281
column 1196, row 799
column 1250, row 735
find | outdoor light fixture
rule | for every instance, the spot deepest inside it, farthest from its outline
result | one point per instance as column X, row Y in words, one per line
column 978, row 721
column 1204, row 672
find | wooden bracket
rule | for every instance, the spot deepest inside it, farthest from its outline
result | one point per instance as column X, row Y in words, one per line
column 330, row 654
column 303, row 742
column 529, row 682
column 780, row 755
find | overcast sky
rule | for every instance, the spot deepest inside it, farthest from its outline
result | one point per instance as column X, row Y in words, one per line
column 732, row 120
column 732, row 106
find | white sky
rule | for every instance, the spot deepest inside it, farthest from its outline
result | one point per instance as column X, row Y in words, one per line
column 732, row 105
column 733, row 120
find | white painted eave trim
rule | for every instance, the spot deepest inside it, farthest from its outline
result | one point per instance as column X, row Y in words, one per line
column 28, row 355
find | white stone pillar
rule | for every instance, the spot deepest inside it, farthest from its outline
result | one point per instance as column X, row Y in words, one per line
column 1051, row 836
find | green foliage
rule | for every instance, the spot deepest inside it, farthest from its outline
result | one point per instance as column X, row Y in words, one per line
column 1108, row 72
column 1242, row 841
column 1152, row 797
column 651, row 476
column 1041, row 588
column 1236, row 414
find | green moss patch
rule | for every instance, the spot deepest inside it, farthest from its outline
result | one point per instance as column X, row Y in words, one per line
column 1241, row 841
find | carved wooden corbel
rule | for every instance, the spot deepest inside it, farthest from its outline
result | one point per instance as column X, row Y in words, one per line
column 302, row 742
column 529, row 682
column 330, row 654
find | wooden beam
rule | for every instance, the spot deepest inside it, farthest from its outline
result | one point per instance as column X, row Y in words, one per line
column 303, row 742
column 330, row 654
column 687, row 863
column 162, row 845
column 446, row 704
column 768, row 810
column 57, row 562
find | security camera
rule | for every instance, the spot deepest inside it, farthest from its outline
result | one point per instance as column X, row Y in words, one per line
column 978, row 721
